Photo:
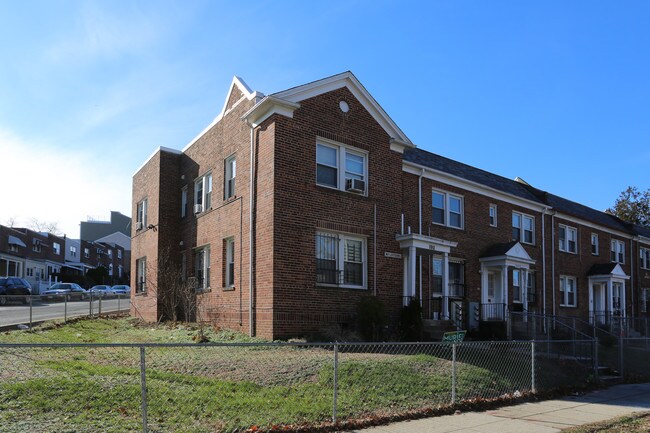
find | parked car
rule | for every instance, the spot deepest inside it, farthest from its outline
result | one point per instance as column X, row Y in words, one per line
column 121, row 290
column 65, row 291
column 101, row 291
column 14, row 289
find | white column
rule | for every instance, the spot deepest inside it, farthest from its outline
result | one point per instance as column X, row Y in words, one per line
column 590, row 284
column 445, row 285
column 504, row 289
column 484, row 284
column 609, row 301
column 623, row 299
column 405, row 279
column 412, row 263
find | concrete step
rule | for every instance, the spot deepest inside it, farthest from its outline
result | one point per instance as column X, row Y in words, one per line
column 435, row 329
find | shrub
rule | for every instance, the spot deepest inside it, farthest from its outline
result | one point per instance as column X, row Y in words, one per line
column 371, row 318
column 410, row 321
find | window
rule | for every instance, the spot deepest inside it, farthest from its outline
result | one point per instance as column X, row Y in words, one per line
column 56, row 248
column 523, row 228
column 530, row 286
column 110, row 269
column 203, row 193
column 230, row 174
column 617, row 288
column 73, row 251
column 447, row 209
column 229, row 280
column 341, row 167
column 119, row 254
column 567, row 239
column 36, row 246
column 456, row 279
column 617, row 251
column 202, row 268
column 141, row 275
column 594, row 244
column 340, row 260
column 567, row 291
column 645, row 300
column 437, row 275
column 184, row 202
column 13, row 248
column 86, row 252
column 110, row 253
column 120, row 269
column 493, row 215
column 516, row 285
column 645, row 258
column 141, row 216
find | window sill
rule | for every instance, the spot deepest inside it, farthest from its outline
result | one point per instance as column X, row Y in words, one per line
column 141, row 293
column 351, row 193
column 228, row 289
column 202, row 291
column 568, row 306
column 575, row 253
column 341, row 286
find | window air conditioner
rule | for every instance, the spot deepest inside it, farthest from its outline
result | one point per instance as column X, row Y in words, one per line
column 198, row 208
column 138, row 225
column 355, row 185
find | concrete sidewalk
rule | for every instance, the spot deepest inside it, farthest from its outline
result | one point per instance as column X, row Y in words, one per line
column 539, row 417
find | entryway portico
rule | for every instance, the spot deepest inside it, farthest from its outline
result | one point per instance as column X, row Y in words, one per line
column 414, row 246
column 495, row 264
column 606, row 292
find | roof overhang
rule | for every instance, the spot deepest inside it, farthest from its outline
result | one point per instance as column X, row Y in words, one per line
column 616, row 274
column 423, row 242
column 268, row 106
column 516, row 257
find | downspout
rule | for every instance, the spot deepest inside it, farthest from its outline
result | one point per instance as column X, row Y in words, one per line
column 374, row 253
column 632, row 268
column 553, row 259
column 250, row 231
column 544, row 261
column 420, row 201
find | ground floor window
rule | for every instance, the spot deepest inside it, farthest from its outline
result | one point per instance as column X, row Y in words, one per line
column 141, row 275
column 341, row 260
column 202, row 267
column 645, row 299
column 567, row 291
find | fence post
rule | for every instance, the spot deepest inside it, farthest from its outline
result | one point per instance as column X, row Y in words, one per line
column 30, row 311
column 621, row 341
column 118, row 303
column 99, row 312
column 90, row 306
column 336, row 379
column 595, row 359
column 453, row 373
column 532, row 367
column 65, row 308
column 573, row 333
column 143, row 386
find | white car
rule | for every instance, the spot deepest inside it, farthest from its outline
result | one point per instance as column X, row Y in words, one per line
column 121, row 290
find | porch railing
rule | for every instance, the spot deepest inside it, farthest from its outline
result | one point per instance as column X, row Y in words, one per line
column 457, row 290
column 493, row 312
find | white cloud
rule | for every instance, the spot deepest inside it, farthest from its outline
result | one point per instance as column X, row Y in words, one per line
column 57, row 185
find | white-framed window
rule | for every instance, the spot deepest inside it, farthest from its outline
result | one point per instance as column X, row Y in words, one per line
column 644, row 258
column 203, row 193
column 617, row 251
column 73, row 251
column 341, row 167
column 230, row 173
column 617, row 289
column 645, row 300
column 141, row 215
column 516, row 286
column 141, row 275
column 184, row 201
column 56, row 248
column 110, row 253
column 594, row 244
column 87, row 253
column 567, row 239
column 447, row 209
column 119, row 254
column 13, row 248
column 202, row 267
column 530, row 286
column 110, row 269
column 120, row 270
column 523, row 228
column 493, row 215
column 229, row 280
column 341, row 260
column 568, row 293
column 36, row 245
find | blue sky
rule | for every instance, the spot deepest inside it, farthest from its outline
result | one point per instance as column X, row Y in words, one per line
column 556, row 92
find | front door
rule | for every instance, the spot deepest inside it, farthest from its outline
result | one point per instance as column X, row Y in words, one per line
column 493, row 303
column 600, row 305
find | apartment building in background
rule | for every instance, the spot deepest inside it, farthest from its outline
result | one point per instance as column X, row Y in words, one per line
column 289, row 208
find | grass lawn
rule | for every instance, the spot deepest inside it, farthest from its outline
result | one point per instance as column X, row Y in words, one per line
column 208, row 388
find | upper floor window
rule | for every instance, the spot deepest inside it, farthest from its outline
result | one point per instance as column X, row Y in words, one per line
column 86, row 252
column 36, row 245
column 523, row 228
column 493, row 215
column 645, row 258
column 141, row 215
column 567, row 291
column 73, row 251
column 119, row 254
column 110, row 253
column 56, row 247
column 203, row 193
column 594, row 244
column 341, row 260
column 184, row 202
column 341, row 167
column 617, row 251
column 447, row 209
column 230, row 174
column 568, row 239
column 141, row 275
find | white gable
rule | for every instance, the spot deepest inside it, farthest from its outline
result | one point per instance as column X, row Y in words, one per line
column 518, row 252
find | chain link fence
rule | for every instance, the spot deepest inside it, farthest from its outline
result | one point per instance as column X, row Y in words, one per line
column 261, row 386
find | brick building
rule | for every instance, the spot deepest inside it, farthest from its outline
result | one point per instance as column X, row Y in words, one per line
column 289, row 208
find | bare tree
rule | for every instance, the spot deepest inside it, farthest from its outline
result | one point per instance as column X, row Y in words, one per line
column 45, row 226
column 12, row 221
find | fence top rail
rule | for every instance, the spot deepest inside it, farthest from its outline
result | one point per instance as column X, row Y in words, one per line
column 277, row 344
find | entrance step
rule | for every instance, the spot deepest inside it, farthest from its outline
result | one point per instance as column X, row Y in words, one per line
column 433, row 330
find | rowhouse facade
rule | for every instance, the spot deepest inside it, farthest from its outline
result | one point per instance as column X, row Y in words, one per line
column 291, row 207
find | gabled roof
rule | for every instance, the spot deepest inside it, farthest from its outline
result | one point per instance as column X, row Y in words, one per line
column 467, row 172
column 118, row 238
column 346, row 79
column 606, row 269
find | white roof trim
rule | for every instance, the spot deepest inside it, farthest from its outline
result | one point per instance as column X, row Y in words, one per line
column 160, row 149
column 592, row 225
column 348, row 80
column 267, row 107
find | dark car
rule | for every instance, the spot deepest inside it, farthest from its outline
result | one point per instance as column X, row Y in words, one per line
column 65, row 291
column 14, row 289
